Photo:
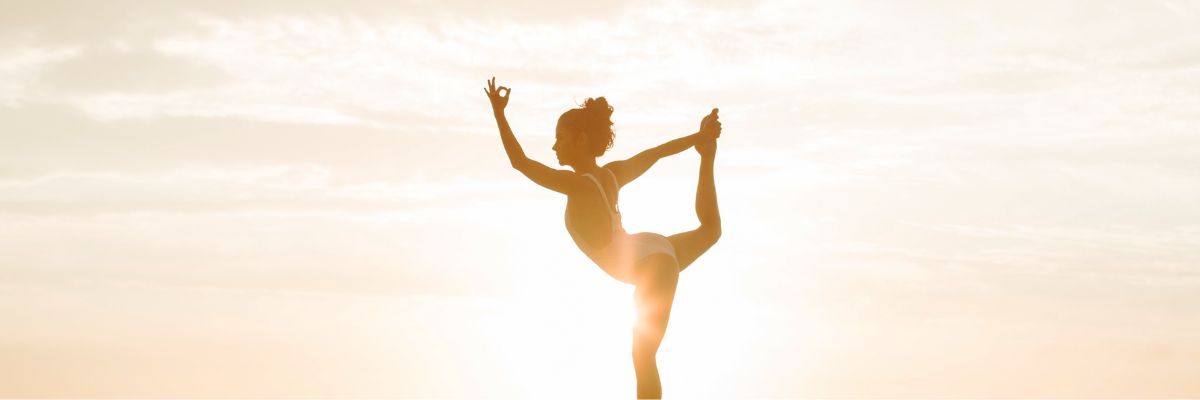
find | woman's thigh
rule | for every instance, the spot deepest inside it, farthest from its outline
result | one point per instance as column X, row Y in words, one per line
column 655, row 292
column 691, row 244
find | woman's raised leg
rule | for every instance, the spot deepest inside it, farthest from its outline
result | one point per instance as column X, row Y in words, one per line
column 691, row 244
column 656, row 280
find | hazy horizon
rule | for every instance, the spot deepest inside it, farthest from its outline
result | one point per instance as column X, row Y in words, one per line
column 309, row 199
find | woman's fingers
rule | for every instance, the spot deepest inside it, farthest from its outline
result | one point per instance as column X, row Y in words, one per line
column 495, row 91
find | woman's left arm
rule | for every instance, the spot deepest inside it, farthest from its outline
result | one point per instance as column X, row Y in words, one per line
column 630, row 169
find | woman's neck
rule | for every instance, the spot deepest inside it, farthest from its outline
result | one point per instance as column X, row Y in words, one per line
column 586, row 166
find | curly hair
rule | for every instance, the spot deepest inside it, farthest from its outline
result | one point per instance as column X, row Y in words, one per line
column 594, row 120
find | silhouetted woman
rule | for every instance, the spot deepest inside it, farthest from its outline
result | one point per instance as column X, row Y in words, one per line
column 649, row 261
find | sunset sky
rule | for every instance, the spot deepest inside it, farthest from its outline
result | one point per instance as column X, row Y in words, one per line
column 310, row 199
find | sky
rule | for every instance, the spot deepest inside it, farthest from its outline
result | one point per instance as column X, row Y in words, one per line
column 309, row 199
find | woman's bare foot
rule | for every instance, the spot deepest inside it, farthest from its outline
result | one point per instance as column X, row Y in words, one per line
column 710, row 130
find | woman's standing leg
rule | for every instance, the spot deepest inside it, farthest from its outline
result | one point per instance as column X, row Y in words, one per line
column 656, row 280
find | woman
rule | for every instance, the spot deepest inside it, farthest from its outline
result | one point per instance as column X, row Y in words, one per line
column 649, row 261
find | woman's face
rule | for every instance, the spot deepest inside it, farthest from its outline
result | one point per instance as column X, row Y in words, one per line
column 566, row 148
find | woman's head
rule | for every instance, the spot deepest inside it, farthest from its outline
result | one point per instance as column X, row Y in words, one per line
column 584, row 132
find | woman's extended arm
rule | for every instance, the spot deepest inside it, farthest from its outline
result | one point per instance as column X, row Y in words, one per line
column 561, row 181
column 630, row 169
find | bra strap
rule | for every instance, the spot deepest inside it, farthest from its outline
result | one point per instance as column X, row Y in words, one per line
column 613, row 175
column 598, row 186
column 601, row 187
column 616, row 185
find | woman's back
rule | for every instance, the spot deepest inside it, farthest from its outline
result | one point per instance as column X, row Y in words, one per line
column 592, row 216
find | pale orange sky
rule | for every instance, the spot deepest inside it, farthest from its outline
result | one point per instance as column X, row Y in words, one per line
column 309, row 199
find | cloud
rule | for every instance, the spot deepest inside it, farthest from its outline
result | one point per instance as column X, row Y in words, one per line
column 20, row 66
column 66, row 21
column 45, row 139
column 287, row 188
column 127, row 71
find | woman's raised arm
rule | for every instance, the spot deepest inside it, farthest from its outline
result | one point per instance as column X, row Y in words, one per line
column 561, row 181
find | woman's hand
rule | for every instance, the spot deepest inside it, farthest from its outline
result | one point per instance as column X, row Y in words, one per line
column 493, row 93
column 710, row 130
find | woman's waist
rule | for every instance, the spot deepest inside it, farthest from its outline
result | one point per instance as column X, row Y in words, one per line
column 625, row 248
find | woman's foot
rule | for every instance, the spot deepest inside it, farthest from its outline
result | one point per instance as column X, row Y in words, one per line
column 710, row 130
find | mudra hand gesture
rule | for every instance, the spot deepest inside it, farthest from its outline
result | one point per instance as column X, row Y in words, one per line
column 493, row 94
column 710, row 130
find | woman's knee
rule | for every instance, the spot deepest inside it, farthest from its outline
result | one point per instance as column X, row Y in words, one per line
column 712, row 232
column 644, row 354
column 648, row 333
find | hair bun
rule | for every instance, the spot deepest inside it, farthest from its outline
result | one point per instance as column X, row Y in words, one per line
column 598, row 107
column 593, row 119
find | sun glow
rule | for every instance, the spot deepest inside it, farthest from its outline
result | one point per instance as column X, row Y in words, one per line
column 570, row 329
